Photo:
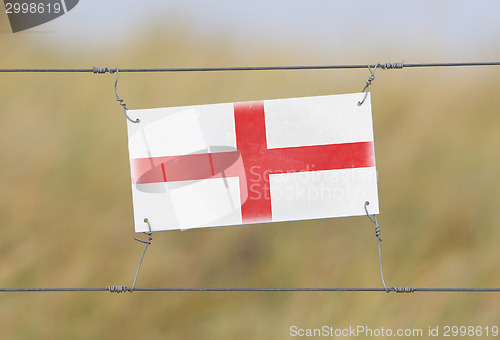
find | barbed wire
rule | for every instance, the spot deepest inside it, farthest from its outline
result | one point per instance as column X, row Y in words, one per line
column 397, row 65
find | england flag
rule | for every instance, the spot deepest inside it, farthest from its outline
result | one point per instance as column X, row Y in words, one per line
column 252, row 162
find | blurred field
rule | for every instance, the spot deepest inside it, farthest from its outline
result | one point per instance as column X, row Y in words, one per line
column 66, row 210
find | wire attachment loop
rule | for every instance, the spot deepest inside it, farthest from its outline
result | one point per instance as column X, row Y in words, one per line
column 368, row 83
column 147, row 243
column 120, row 100
column 385, row 66
column 102, row 70
column 377, row 235
column 148, row 233
column 121, row 289
column 373, row 218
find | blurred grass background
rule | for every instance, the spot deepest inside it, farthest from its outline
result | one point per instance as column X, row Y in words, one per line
column 66, row 210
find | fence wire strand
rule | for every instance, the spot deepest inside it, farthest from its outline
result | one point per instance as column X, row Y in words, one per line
column 245, row 68
column 173, row 289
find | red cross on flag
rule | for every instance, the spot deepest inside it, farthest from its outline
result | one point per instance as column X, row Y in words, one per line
column 254, row 162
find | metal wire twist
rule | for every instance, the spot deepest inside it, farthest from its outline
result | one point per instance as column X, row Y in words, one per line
column 147, row 242
column 102, row 70
column 379, row 239
column 404, row 289
column 117, row 289
column 392, row 66
column 385, row 66
column 368, row 83
column 122, row 289
column 120, row 100
column 377, row 234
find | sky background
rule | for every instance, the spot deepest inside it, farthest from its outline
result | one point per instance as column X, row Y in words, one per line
column 458, row 30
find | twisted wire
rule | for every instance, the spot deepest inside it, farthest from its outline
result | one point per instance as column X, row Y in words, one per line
column 393, row 66
column 118, row 99
column 404, row 289
column 368, row 83
column 104, row 70
column 379, row 239
column 377, row 234
column 117, row 289
column 147, row 242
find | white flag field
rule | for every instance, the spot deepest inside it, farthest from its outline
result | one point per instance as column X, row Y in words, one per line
column 252, row 162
